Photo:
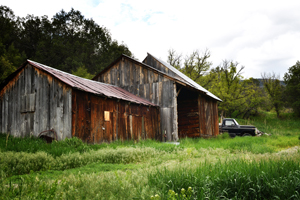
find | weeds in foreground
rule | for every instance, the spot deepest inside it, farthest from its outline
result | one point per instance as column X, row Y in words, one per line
column 229, row 179
column 184, row 195
column 33, row 145
column 235, row 179
column 16, row 163
column 257, row 145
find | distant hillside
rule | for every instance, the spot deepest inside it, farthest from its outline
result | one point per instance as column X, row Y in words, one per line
column 260, row 80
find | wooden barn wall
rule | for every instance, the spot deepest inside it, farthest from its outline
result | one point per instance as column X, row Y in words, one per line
column 33, row 102
column 208, row 119
column 208, row 124
column 127, row 121
column 197, row 115
column 150, row 85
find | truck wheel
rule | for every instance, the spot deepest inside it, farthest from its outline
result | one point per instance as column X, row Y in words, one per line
column 247, row 134
column 232, row 135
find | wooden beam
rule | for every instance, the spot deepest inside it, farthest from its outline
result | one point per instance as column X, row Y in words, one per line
column 178, row 91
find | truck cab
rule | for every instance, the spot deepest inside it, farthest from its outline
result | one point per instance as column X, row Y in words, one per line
column 232, row 127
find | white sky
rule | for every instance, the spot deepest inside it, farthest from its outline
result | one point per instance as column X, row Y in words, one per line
column 262, row 35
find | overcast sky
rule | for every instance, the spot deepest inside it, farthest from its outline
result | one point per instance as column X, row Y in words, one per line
column 262, row 35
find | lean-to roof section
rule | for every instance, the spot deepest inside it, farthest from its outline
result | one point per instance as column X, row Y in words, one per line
column 90, row 86
column 186, row 79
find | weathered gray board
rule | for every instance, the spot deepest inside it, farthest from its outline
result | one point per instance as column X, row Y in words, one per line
column 34, row 102
column 148, row 84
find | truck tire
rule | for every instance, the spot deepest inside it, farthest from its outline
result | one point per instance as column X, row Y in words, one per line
column 232, row 135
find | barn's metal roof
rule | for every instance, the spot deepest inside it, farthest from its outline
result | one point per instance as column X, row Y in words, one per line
column 186, row 79
column 91, row 86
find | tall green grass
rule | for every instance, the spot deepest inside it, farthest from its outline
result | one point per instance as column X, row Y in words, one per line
column 263, row 144
column 257, row 145
column 230, row 179
column 234, row 179
column 21, row 156
column 33, row 145
column 15, row 163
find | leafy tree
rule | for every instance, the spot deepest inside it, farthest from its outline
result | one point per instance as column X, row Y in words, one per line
column 9, row 60
column 68, row 41
column 254, row 100
column 82, row 72
column 10, row 57
column 6, row 68
column 174, row 58
column 195, row 65
column 241, row 97
column 292, row 81
column 73, row 41
column 275, row 91
column 33, row 30
column 8, row 26
column 238, row 95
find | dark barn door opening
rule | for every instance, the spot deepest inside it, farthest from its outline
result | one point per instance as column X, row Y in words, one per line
column 188, row 113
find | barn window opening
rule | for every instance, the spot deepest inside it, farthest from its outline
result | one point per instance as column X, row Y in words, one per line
column 106, row 116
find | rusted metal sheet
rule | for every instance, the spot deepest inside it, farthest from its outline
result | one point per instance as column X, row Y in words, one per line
column 127, row 121
column 172, row 71
column 93, row 87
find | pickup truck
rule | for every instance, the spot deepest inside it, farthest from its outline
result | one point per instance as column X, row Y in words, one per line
column 233, row 128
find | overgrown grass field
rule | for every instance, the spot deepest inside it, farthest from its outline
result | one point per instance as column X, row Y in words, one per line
column 265, row 167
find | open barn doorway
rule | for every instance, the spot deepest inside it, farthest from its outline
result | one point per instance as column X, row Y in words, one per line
column 188, row 113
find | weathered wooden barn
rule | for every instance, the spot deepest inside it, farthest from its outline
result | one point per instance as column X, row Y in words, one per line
column 38, row 99
column 186, row 108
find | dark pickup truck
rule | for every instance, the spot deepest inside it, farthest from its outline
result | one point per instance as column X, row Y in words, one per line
column 234, row 129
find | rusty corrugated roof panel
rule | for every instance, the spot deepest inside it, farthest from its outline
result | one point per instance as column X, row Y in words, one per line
column 91, row 86
column 186, row 79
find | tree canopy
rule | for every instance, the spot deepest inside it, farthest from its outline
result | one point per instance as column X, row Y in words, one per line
column 275, row 90
column 196, row 65
column 292, row 81
column 240, row 97
column 68, row 41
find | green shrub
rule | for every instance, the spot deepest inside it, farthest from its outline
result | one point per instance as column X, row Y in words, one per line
column 14, row 163
column 33, row 145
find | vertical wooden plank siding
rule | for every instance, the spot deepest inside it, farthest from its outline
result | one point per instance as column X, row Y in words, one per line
column 125, row 122
column 33, row 102
column 208, row 119
column 194, row 117
column 175, row 121
column 197, row 115
column 216, row 119
column 149, row 85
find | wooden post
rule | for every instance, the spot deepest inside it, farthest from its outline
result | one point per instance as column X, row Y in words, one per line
column 200, row 114
column 175, row 121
